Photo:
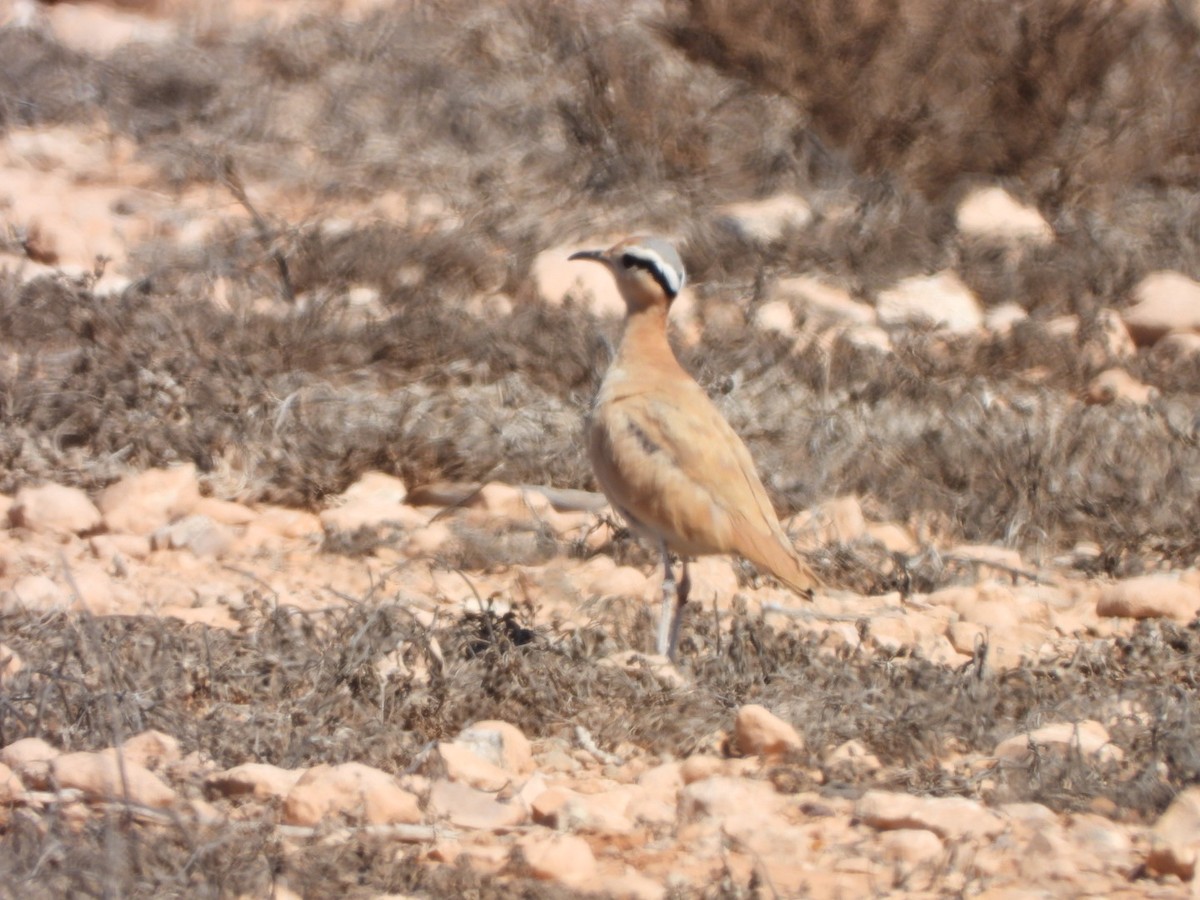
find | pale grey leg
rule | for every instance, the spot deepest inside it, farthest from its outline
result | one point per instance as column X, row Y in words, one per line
column 681, row 599
column 670, row 597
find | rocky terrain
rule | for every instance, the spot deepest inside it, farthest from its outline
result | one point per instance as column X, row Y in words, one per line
column 305, row 589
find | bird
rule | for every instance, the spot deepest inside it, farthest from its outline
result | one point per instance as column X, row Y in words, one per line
column 667, row 460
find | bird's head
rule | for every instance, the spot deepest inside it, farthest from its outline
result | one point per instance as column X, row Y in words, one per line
column 648, row 270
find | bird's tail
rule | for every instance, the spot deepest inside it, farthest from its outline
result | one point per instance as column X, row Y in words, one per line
column 779, row 558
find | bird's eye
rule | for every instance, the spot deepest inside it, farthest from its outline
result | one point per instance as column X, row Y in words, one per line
column 628, row 260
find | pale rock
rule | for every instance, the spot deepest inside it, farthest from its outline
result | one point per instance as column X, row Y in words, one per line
column 1002, row 318
column 966, row 637
column 371, row 513
column 500, row 743
column 823, row 305
column 12, row 791
column 942, row 300
column 103, row 776
column 768, row 220
column 376, row 486
column 294, row 524
column 1164, row 302
column 10, row 664
column 1175, row 348
column 852, row 755
column 1149, row 597
column 145, row 501
column 713, row 577
column 894, row 538
column 1118, row 386
column 622, row 581
column 152, row 750
column 40, row 593
column 197, row 534
column 460, row 764
column 891, row 633
column 111, row 547
column 993, row 214
column 429, row 540
column 910, row 850
column 767, row 835
column 1089, row 738
column 564, row 858
column 869, row 338
column 775, row 316
column 351, row 790
column 700, row 766
column 465, row 807
column 758, row 731
column 720, row 796
column 54, row 509
column 632, row 885
column 225, row 512
column 1175, row 837
column 563, row 809
column 663, row 782
column 27, row 751
column 97, row 30
column 836, row 521
column 951, row 818
column 260, row 781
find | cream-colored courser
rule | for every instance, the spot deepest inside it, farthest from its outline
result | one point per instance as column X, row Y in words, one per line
column 665, row 457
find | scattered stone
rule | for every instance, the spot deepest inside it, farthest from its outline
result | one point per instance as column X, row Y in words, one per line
column 39, row 593
column 852, row 756
column 1088, row 738
column 942, row 300
column 1118, row 386
column 103, row 775
column 759, row 732
column 111, row 547
column 11, row 789
column 775, row 316
column 10, row 664
column 622, row 581
column 564, row 858
column 144, row 502
column 563, row 809
column 1164, row 302
column 30, row 758
column 951, row 818
column 824, row 305
column 1149, row 597
column 54, row 509
column 465, row 807
column 1175, row 348
column 350, row 790
column 260, row 781
column 993, row 214
column 460, row 764
column 1175, row 837
column 500, row 743
column 152, row 750
column 225, row 512
column 722, row 795
column 198, row 534
column 766, row 221
column 1001, row 319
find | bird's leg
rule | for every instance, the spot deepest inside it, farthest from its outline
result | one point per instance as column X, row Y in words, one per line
column 681, row 598
column 670, row 595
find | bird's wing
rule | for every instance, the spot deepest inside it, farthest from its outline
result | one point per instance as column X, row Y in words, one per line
column 668, row 458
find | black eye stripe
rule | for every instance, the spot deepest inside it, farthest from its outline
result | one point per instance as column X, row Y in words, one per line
column 631, row 261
